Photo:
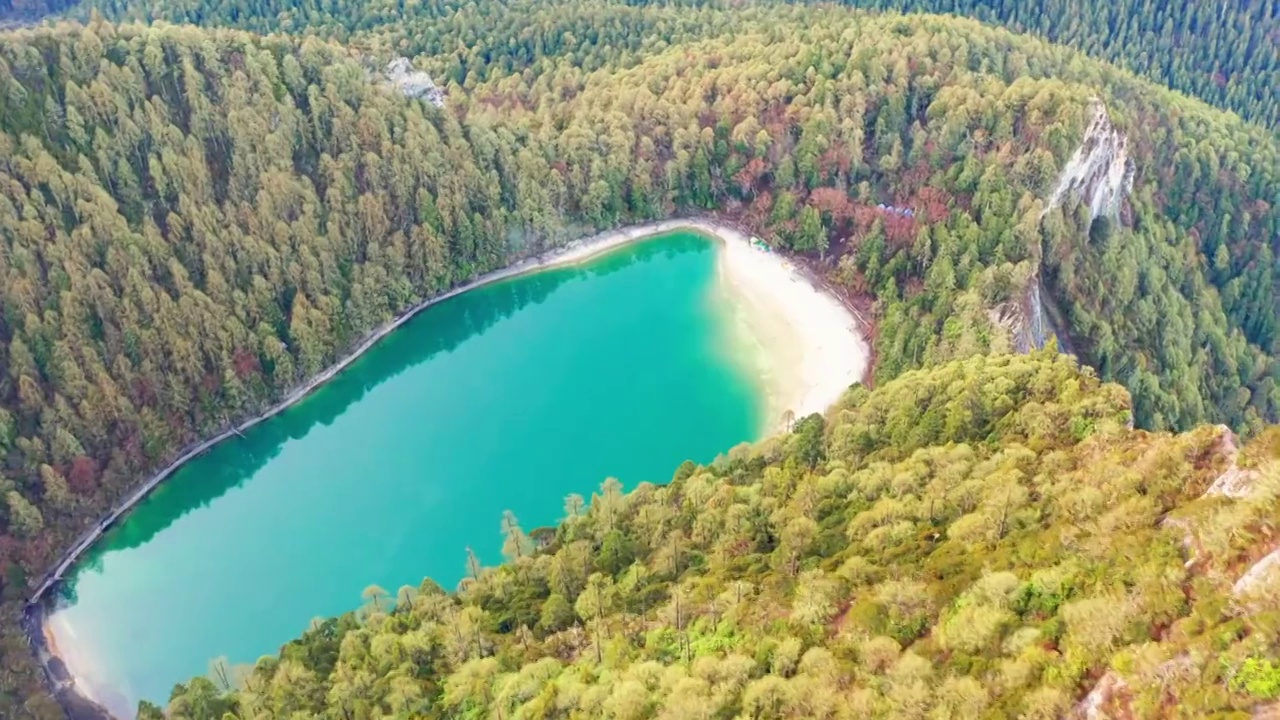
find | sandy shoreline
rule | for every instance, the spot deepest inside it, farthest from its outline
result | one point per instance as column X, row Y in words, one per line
column 810, row 346
column 809, row 349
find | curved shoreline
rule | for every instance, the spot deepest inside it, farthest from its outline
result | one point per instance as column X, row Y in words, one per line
column 737, row 245
column 811, row 344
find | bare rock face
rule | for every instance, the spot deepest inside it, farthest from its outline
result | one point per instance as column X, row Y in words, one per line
column 1234, row 482
column 413, row 83
column 1108, row 699
column 1260, row 585
column 1029, row 325
column 1269, row 711
column 1099, row 172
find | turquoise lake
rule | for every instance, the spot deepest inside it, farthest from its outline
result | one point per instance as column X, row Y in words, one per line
column 510, row 396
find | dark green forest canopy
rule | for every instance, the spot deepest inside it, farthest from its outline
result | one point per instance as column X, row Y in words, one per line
column 1225, row 53
column 194, row 221
column 983, row 539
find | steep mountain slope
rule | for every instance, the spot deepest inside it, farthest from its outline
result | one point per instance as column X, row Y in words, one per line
column 193, row 221
column 981, row 539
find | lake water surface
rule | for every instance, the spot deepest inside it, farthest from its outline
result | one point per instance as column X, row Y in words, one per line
column 507, row 397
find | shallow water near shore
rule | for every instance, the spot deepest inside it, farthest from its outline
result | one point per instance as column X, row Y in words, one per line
column 507, row 397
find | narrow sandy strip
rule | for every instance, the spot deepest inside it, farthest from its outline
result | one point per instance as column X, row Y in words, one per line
column 812, row 349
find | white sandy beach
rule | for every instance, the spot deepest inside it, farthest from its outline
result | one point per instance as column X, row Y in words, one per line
column 809, row 347
column 806, row 347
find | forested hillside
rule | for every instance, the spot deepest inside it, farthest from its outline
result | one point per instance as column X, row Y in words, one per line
column 1227, row 54
column 984, row 539
column 194, row 221
column 1224, row 53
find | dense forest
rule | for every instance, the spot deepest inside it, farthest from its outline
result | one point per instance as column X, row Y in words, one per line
column 1228, row 54
column 984, row 539
column 194, row 221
